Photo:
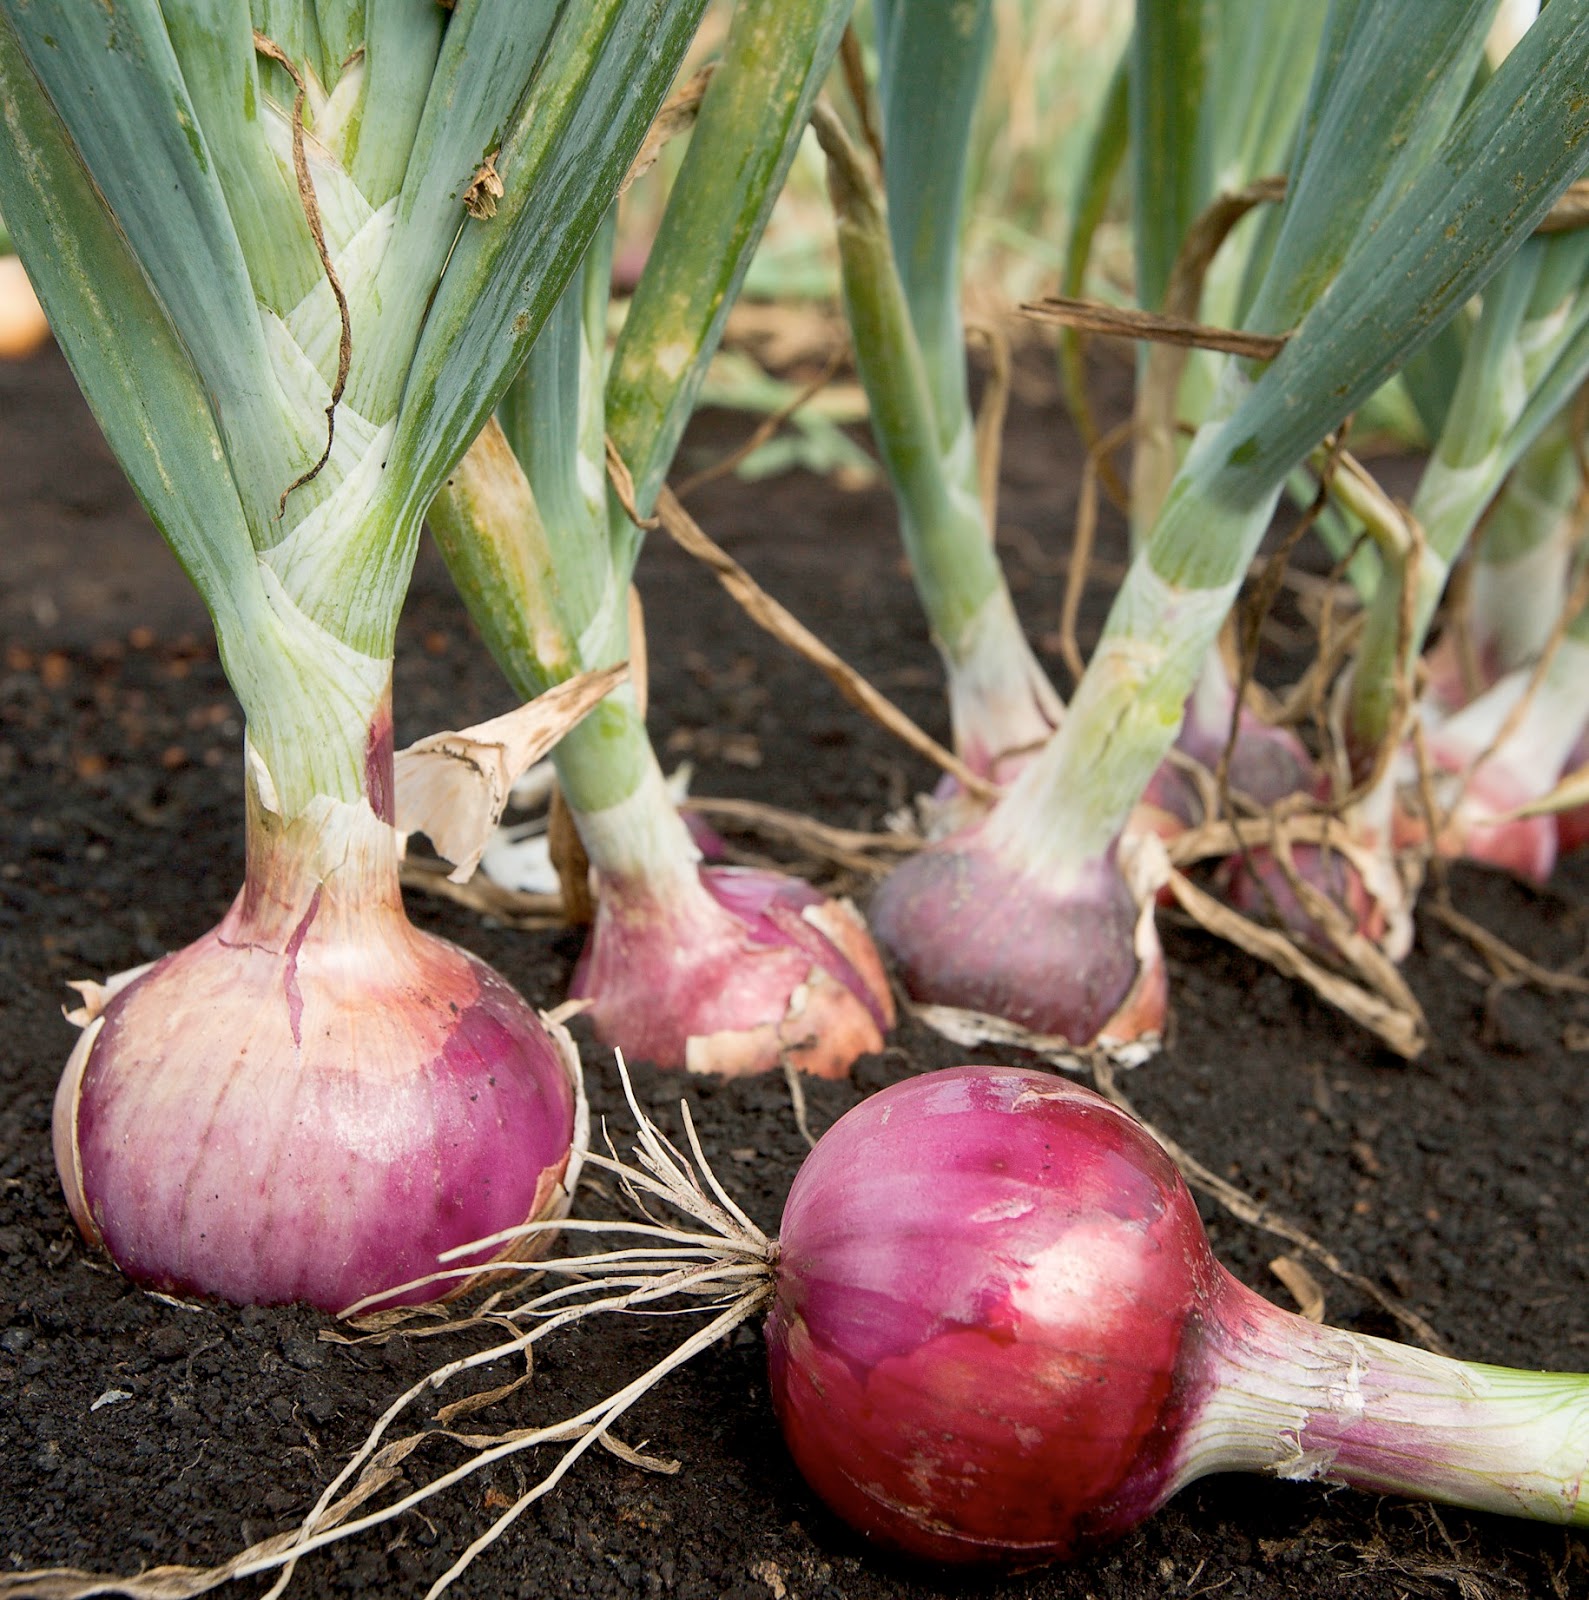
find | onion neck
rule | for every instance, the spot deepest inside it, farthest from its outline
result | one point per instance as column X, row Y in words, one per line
column 1303, row 1401
column 1001, row 703
column 1068, row 807
column 330, row 860
column 630, row 827
column 311, row 697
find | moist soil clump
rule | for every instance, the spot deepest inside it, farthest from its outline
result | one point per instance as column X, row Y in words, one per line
column 136, row 1430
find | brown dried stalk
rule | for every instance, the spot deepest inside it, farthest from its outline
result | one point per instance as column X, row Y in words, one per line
column 677, row 115
column 1125, row 322
column 765, row 429
column 1082, row 546
column 990, row 416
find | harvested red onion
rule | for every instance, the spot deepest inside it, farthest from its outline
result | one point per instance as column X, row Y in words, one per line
column 314, row 1100
column 731, row 971
column 998, row 1335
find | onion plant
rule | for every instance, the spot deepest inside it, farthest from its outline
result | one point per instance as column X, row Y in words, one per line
column 1522, row 556
column 706, row 967
column 900, row 259
column 1406, row 193
column 1216, row 95
column 294, row 252
column 1525, row 358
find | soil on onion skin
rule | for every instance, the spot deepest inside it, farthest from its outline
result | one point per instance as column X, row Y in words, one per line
column 136, row 1431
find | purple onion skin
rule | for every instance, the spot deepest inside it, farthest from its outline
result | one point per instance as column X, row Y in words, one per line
column 1267, row 764
column 1258, row 888
column 313, row 1100
column 990, row 1294
column 998, row 1336
column 964, row 928
column 754, row 969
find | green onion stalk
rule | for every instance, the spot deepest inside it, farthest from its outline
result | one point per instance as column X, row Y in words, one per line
column 1216, row 95
column 900, row 260
column 294, row 252
column 1523, row 557
column 1530, row 535
column 1405, row 196
column 1525, row 359
column 710, row 968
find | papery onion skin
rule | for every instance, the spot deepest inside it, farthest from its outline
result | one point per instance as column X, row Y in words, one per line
column 966, row 929
column 739, row 972
column 315, row 1099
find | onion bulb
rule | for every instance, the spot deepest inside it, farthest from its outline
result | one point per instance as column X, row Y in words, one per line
column 314, row 1100
column 1069, row 957
column 998, row 1335
column 732, row 971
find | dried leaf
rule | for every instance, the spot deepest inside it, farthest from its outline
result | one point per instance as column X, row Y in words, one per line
column 664, row 1465
column 1401, row 1027
column 1127, row 323
column 676, row 116
column 772, row 617
column 1304, row 1287
column 454, row 786
column 96, row 996
column 478, row 1402
column 485, row 189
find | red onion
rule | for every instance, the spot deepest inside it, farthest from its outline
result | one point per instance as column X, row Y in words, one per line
column 998, row 1335
column 1504, row 749
column 1071, row 957
column 1267, row 763
column 314, row 1100
column 731, row 971
column 1257, row 886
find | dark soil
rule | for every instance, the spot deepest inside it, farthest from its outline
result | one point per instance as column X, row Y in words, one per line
column 135, row 1431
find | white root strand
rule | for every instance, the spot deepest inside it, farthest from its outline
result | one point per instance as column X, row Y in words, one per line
column 724, row 1272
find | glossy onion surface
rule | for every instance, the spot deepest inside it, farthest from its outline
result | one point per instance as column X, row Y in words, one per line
column 987, row 1285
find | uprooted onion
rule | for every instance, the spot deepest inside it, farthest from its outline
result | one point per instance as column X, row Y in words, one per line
column 998, row 1335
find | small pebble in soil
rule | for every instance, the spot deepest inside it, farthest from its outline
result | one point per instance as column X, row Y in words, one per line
column 303, row 1351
